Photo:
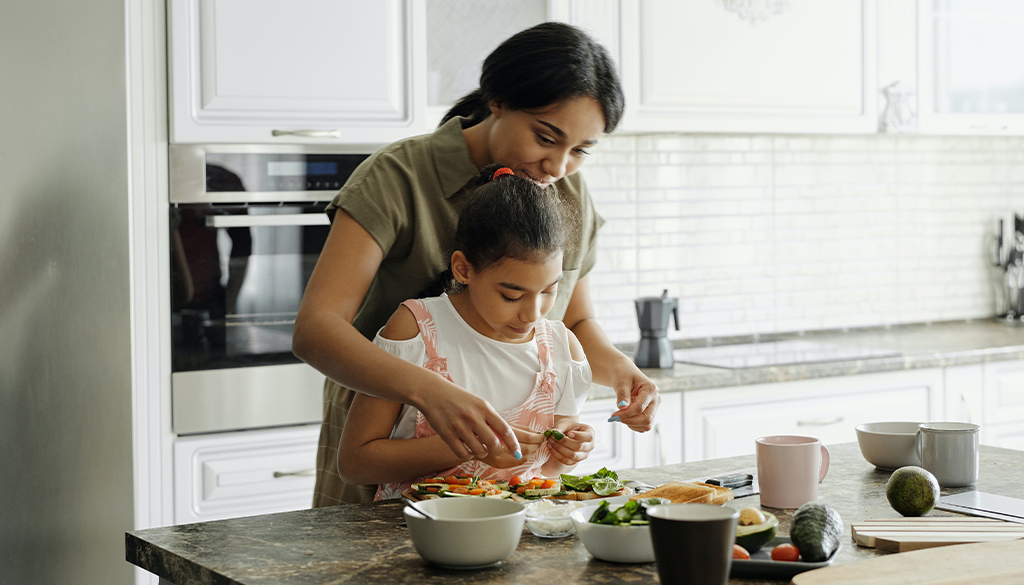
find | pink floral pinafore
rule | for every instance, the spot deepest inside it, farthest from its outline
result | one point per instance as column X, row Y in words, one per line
column 537, row 412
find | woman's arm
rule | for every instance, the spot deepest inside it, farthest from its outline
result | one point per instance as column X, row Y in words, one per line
column 637, row 394
column 325, row 339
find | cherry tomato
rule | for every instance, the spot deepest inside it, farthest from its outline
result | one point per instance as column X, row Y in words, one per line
column 516, row 480
column 786, row 552
column 548, row 484
column 451, row 480
column 460, row 490
column 738, row 552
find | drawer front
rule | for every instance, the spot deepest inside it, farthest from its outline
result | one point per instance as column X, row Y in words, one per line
column 726, row 422
column 1007, row 436
column 242, row 474
column 1004, row 392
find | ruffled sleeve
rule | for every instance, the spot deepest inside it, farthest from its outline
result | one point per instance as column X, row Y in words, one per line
column 410, row 350
column 575, row 390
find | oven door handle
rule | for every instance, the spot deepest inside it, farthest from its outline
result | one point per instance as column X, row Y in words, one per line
column 233, row 221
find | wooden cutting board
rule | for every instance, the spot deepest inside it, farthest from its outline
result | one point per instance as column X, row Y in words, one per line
column 991, row 563
column 906, row 534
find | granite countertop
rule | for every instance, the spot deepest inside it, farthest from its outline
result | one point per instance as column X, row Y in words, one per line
column 932, row 345
column 369, row 543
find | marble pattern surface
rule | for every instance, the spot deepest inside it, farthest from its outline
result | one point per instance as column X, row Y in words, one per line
column 370, row 544
column 935, row 345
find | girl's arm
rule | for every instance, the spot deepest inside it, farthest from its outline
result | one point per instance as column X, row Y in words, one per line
column 325, row 339
column 368, row 456
column 637, row 395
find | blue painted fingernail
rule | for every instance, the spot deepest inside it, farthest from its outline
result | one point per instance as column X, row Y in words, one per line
column 613, row 419
column 622, row 403
column 517, row 454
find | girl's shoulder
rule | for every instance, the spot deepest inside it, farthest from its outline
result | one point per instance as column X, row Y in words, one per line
column 565, row 341
column 401, row 326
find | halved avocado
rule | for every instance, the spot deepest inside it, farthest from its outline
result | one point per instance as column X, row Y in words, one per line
column 754, row 536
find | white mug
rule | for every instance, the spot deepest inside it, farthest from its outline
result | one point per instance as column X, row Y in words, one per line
column 949, row 450
column 789, row 469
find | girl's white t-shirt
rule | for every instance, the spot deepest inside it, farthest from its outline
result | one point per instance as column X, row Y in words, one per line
column 501, row 373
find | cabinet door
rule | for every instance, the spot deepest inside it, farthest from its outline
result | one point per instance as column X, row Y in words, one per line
column 1004, row 392
column 726, row 422
column 342, row 71
column 613, row 443
column 970, row 81
column 749, row 66
column 242, row 474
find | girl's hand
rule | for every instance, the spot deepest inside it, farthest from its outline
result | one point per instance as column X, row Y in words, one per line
column 638, row 397
column 575, row 446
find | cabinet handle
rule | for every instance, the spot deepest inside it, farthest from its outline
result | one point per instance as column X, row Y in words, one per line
column 309, row 133
column 819, row 422
column 301, row 473
column 989, row 127
column 276, row 220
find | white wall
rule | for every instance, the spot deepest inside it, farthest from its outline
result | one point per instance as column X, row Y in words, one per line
column 769, row 234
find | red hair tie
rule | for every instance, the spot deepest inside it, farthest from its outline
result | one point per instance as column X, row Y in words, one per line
column 502, row 171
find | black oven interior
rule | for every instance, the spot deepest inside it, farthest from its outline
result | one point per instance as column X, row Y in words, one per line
column 238, row 273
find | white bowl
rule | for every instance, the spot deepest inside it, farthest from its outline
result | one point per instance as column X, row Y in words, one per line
column 550, row 518
column 889, row 445
column 615, row 544
column 469, row 533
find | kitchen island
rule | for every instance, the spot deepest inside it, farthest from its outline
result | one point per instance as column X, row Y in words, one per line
column 370, row 544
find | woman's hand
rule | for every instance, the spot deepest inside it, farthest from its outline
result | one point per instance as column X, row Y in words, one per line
column 529, row 443
column 467, row 423
column 575, row 446
column 638, row 397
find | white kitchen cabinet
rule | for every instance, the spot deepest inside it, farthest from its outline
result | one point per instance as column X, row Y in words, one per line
column 1004, row 393
column 618, row 447
column 804, row 67
column 310, row 71
column 1007, row 436
column 970, row 79
column 242, row 474
column 725, row 422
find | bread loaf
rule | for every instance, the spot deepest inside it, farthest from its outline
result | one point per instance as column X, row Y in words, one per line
column 679, row 492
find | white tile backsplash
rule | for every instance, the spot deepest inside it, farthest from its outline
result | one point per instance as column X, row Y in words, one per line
column 770, row 234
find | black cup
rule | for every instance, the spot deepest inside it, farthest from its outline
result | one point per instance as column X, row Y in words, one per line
column 693, row 543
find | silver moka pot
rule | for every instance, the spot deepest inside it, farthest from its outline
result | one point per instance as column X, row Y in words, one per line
column 652, row 313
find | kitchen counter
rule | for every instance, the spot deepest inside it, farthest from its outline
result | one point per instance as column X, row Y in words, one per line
column 934, row 345
column 369, row 543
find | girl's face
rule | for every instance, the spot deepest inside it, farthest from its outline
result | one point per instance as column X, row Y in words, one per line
column 545, row 144
column 505, row 300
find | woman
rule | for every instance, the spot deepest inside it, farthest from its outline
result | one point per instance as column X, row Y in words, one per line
column 546, row 95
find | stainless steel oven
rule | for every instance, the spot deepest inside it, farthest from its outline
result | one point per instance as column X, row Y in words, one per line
column 247, row 227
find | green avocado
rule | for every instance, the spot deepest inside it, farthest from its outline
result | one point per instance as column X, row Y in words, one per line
column 816, row 530
column 753, row 536
column 912, row 491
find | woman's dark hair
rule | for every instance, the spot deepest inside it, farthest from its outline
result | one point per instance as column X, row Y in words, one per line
column 540, row 66
column 510, row 217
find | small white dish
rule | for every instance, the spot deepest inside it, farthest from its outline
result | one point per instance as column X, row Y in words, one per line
column 550, row 518
column 469, row 533
column 615, row 544
column 889, row 445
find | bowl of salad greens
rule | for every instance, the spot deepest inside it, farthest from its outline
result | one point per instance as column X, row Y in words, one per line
column 617, row 531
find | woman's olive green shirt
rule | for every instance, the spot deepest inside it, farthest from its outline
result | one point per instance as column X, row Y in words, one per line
column 407, row 196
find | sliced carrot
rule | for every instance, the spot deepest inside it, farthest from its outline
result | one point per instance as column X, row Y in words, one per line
column 433, row 489
column 476, row 491
column 549, row 484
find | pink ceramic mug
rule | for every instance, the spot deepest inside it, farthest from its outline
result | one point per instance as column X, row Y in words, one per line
column 789, row 469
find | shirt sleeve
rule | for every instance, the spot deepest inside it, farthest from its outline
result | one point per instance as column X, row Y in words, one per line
column 410, row 350
column 576, row 388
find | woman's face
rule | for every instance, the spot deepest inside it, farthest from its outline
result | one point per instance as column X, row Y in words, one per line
column 505, row 300
column 545, row 144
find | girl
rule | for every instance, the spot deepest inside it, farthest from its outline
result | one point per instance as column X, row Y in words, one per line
column 491, row 337
column 546, row 96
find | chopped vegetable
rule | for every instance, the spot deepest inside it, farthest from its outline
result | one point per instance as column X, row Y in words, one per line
column 603, row 483
column 738, row 552
column 554, row 434
column 751, row 516
column 516, row 480
column 632, row 513
column 786, row 552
